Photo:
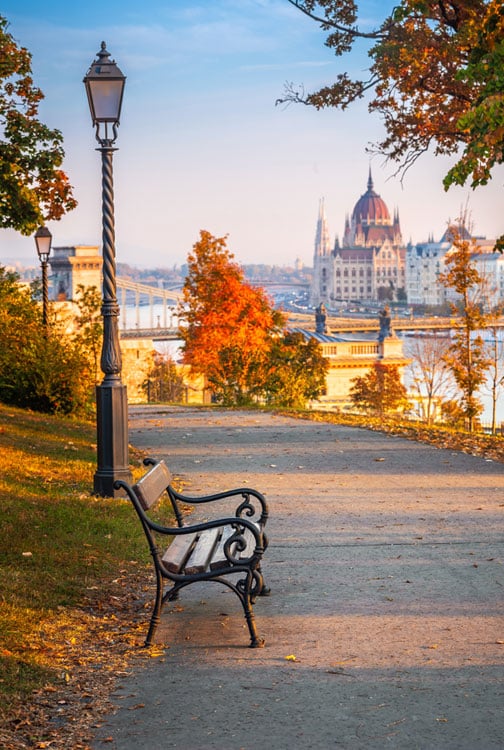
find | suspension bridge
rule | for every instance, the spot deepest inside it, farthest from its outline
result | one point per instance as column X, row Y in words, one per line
column 162, row 316
column 163, row 324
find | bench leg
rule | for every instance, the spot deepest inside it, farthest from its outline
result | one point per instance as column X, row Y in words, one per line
column 255, row 640
column 246, row 599
column 156, row 612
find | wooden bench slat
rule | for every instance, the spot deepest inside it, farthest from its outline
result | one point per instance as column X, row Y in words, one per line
column 177, row 553
column 219, row 559
column 152, row 485
column 202, row 552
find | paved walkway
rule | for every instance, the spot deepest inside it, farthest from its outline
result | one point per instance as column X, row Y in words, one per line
column 387, row 577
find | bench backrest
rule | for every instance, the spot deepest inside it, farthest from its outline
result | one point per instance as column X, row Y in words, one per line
column 152, row 485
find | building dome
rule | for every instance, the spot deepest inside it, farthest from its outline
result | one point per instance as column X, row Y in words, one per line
column 370, row 208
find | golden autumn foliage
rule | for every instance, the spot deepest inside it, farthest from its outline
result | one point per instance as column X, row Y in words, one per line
column 380, row 391
column 483, row 121
column 467, row 356
column 227, row 323
column 234, row 336
column 436, row 77
column 33, row 187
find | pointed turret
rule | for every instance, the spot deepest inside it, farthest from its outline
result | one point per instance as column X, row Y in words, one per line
column 321, row 257
column 347, row 233
column 370, row 185
column 322, row 244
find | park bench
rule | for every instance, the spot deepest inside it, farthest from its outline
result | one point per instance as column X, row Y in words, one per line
column 226, row 549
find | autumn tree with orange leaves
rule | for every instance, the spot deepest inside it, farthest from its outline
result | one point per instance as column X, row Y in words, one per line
column 435, row 76
column 33, row 187
column 467, row 356
column 227, row 324
column 380, row 391
column 234, row 336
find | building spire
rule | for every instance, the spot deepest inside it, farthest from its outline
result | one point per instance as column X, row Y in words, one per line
column 322, row 246
column 370, row 185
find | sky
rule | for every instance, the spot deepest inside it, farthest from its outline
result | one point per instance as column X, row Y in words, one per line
column 201, row 143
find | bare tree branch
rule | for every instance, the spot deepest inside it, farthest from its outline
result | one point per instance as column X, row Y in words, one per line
column 294, row 95
column 328, row 23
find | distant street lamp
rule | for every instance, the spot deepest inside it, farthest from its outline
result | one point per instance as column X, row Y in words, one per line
column 43, row 239
column 104, row 87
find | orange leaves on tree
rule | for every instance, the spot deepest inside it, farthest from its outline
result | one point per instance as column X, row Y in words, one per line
column 33, row 188
column 227, row 322
column 380, row 391
column 435, row 76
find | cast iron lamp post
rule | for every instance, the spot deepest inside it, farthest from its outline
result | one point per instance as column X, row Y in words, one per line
column 43, row 239
column 104, row 87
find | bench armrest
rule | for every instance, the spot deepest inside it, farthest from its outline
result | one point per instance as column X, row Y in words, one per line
column 253, row 503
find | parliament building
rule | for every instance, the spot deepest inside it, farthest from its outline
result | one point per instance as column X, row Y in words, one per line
column 370, row 263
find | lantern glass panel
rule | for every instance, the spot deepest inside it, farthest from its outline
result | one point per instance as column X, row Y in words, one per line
column 106, row 96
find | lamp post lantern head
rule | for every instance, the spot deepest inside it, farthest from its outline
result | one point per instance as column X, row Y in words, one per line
column 104, row 87
column 43, row 239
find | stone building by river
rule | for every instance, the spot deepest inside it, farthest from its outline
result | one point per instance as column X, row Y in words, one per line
column 353, row 355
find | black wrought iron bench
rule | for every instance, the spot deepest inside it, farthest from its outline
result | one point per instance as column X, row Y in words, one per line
column 228, row 550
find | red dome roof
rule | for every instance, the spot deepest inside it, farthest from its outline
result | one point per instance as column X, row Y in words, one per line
column 370, row 208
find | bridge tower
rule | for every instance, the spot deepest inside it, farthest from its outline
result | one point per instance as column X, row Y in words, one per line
column 71, row 266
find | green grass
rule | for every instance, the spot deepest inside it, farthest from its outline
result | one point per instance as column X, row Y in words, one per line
column 58, row 543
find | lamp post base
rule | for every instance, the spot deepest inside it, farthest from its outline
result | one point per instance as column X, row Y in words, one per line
column 112, row 439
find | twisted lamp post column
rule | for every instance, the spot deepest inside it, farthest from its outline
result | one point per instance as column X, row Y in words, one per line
column 111, row 360
column 104, row 85
column 45, row 295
